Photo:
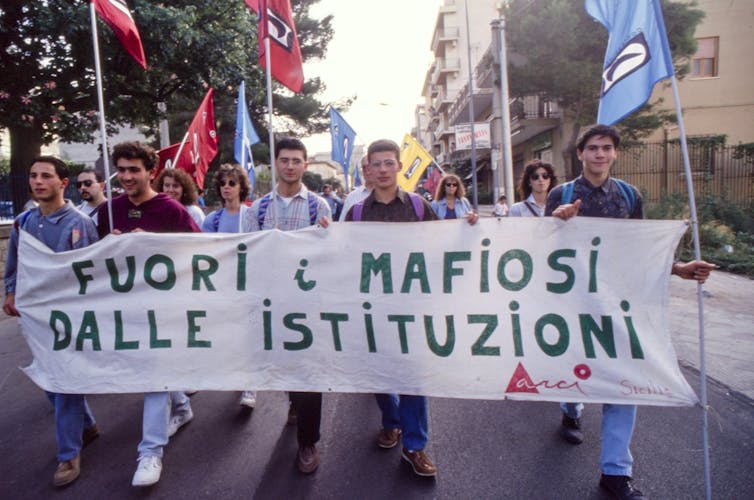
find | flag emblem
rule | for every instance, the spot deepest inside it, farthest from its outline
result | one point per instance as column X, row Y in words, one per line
column 280, row 32
column 630, row 59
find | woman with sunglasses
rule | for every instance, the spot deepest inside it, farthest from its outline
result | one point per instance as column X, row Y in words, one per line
column 233, row 187
column 450, row 201
column 180, row 186
column 536, row 182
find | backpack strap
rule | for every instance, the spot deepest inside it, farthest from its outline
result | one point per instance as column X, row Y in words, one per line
column 216, row 219
column 534, row 212
column 264, row 202
column 628, row 194
column 416, row 201
column 566, row 194
column 21, row 220
column 356, row 211
column 312, row 200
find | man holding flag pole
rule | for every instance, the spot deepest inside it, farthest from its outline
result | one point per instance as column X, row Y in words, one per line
column 637, row 57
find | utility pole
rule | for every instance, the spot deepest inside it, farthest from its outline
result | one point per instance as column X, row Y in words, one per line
column 504, row 139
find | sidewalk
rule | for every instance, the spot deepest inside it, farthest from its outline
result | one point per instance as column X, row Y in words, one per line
column 728, row 327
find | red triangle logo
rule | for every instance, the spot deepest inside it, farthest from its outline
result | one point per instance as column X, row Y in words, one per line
column 521, row 381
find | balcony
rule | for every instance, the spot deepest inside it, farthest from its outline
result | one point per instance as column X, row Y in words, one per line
column 443, row 67
column 447, row 34
column 441, row 102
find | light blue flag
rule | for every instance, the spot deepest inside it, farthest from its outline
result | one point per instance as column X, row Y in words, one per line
column 356, row 177
column 246, row 136
column 342, row 136
column 637, row 55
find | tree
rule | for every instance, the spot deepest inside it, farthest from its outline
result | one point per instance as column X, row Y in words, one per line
column 47, row 86
column 557, row 51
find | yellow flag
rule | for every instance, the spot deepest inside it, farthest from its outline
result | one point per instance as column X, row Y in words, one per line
column 415, row 160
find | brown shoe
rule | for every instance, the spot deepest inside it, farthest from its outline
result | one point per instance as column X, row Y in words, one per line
column 388, row 438
column 67, row 471
column 307, row 459
column 89, row 435
column 420, row 462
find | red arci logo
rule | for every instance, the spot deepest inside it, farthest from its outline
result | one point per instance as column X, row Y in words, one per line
column 522, row 382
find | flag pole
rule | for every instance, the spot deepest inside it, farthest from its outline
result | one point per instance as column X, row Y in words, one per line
column 180, row 148
column 699, row 287
column 269, row 111
column 101, row 103
column 475, row 195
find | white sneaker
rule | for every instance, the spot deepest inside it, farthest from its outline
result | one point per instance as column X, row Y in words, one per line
column 178, row 421
column 148, row 471
column 248, row 399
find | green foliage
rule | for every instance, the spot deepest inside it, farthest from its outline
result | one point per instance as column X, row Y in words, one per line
column 313, row 181
column 726, row 231
column 744, row 151
column 4, row 167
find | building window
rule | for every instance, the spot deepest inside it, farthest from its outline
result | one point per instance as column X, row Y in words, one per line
column 704, row 62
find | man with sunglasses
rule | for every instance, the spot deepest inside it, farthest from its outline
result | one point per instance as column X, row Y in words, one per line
column 91, row 185
column 141, row 208
column 596, row 194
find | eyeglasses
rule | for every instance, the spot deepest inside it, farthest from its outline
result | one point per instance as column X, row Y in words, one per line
column 86, row 183
column 133, row 169
column 229, row 182
column 535, row 177
column 285, row 161
column 449, row 184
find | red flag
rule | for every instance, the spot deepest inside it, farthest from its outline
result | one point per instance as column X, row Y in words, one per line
column 433, row 179
column 200, row 147
column 276, row 21
column 116, row 14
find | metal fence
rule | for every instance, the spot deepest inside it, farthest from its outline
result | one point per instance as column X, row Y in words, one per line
column 717, row 170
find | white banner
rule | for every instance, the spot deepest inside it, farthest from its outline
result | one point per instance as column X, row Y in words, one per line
column 536, row 309
column 482, row 137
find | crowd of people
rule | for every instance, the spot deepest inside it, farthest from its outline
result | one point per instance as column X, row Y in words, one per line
column 169, row 204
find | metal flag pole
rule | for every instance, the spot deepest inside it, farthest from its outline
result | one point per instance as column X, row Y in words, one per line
column 506, row 145
column 101, row 103
column 699, row 287
column 475, row 197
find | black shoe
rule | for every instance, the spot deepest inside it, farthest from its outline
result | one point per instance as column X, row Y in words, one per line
column 570, row 430
column 621, row 487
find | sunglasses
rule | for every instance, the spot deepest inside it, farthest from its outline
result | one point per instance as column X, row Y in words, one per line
column 229, row 182
column 86, row 183
column 449, row 184
column 536, row 177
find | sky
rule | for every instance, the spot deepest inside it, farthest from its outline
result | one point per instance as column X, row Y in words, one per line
column 380, row 53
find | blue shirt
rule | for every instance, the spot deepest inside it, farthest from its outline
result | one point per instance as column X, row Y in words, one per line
column 606, row 200
column 461, row 208
column 64, row 229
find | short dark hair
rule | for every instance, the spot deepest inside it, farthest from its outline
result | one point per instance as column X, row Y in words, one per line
column 135, row 150
column 326, row 186
column 524, row 188
column 382, row 145
column 236, row 171
column 289, row 143
column 598, row 131
column 91, row 170
column 61, row 169
column 189, row 195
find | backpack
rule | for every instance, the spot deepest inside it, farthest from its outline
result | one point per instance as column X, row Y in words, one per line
column 566, row 195
column 266, row 199
column 416, row 201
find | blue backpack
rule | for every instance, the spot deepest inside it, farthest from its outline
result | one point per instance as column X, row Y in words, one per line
column 566, row 194
column 416, row 201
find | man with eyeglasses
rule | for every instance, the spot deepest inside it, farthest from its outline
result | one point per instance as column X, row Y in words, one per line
column 292, row 206
column 91, row 185
column 141, row 208
column 402, row 414
column 596, row 194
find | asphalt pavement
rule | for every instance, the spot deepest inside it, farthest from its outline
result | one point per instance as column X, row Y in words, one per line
column 483, row 449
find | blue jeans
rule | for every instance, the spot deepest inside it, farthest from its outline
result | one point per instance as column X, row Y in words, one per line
column 410, row 414
column 72, row 416
column 617, row 428
column 158, row 407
